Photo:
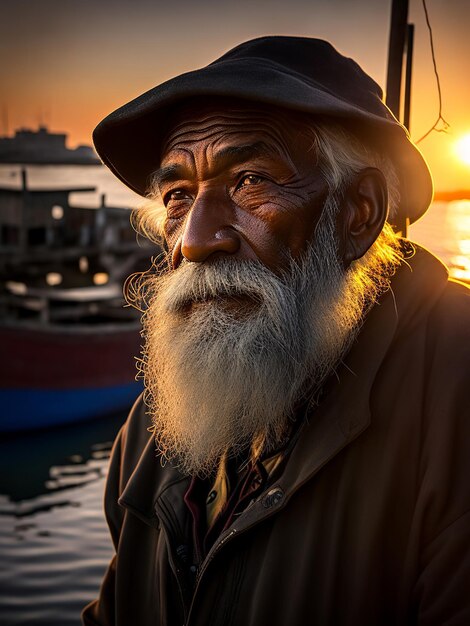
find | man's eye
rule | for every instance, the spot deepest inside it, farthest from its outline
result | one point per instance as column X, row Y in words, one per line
column 175, row 196
column 248, row 180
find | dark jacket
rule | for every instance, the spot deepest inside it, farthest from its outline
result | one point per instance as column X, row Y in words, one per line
column 369, row 522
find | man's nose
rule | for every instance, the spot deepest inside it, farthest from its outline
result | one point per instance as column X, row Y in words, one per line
column 209, row 229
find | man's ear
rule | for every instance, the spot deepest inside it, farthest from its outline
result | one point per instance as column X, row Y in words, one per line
column 363, row 214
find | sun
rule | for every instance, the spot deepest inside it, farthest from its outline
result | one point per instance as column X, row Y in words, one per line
column 462, row 148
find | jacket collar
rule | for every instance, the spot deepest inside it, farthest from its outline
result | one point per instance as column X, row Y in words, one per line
column 336, row 421
column 149, row 482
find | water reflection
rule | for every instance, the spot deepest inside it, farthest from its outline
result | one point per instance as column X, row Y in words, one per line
column 458, row 218
column 35, row 463
column 445, row 231
column 54, row 543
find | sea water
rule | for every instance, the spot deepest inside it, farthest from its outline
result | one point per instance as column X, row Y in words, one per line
column 54, row 544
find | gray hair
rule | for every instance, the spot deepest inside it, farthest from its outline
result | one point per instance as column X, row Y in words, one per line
column 341, row 155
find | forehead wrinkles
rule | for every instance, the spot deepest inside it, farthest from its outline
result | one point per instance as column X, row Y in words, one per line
column 217, row 129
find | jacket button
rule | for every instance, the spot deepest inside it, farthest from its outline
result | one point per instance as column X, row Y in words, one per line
column 257, row 480
column 272, row 497
column 211, row 497
column 183, row 553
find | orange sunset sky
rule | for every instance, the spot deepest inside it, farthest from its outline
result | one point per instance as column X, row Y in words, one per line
column 68, row 63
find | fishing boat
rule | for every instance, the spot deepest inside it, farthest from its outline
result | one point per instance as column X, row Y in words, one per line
column 68, row 343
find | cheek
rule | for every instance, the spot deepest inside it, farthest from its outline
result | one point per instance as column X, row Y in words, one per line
column 298, row 227
column 285, row 229
column 301, row 233
column 274, row 236
column 172, row 230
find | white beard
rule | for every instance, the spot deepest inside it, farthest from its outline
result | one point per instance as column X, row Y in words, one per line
column 231, row 348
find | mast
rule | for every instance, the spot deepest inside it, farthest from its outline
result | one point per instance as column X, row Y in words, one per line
column 396, row 50
column 410, row 34
column 400, row 44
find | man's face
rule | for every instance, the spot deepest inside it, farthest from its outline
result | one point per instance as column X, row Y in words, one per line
column 239, row 182
column 257, row 307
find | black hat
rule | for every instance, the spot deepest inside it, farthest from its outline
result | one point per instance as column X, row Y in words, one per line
column 297, row 73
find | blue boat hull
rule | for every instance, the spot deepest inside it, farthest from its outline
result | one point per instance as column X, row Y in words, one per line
column 27, row 409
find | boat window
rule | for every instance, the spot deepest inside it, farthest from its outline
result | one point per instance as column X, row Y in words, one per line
column 57, row 212
column 100, row 278
column 83, row 264
column 53, row 278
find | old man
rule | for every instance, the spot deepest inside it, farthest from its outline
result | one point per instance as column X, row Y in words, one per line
column 300, row 452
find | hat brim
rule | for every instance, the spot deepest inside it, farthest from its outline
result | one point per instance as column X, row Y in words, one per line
column 128, row 140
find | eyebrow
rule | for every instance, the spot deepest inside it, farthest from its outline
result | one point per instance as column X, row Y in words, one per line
column 226, row 157
column 169, row 173
column 232, row 155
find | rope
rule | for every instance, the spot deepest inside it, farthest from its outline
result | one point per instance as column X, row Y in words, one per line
column 440, row 118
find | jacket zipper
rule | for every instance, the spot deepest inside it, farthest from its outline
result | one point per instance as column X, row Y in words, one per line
column 211, row 555
column 203, row 569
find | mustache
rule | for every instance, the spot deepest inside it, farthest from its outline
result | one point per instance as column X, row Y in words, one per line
column 222, row 279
